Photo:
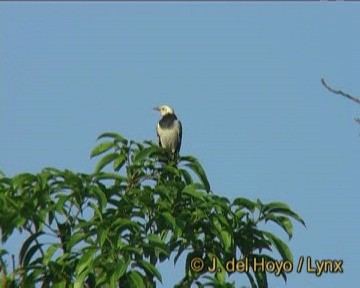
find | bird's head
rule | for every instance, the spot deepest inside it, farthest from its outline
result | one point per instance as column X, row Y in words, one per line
column 164, row 109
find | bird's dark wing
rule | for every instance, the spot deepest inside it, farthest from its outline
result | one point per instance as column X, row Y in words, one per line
column 179, row 139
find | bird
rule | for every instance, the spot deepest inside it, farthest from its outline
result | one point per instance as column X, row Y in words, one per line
column 169, row 130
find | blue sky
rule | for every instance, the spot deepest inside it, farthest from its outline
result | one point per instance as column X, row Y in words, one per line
column 244, row 78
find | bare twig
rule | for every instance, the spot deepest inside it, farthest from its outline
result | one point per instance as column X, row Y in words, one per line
column 355, row 99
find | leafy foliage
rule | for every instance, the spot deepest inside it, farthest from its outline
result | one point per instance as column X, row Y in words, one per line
column 111, row 228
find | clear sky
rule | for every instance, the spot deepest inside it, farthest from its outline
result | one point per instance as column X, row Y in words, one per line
column 244, row 78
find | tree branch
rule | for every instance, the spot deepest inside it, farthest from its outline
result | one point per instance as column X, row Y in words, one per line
column 355, row 99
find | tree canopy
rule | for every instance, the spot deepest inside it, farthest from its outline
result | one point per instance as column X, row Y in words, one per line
column 112, row 228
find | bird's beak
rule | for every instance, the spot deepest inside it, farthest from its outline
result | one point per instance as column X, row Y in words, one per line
column 157, row 109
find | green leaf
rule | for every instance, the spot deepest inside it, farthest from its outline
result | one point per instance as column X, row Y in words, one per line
column 259, row 204
column 61, row 284
column 30, row 253
column 21, row 179
column 137, row 279
column 101, row 197
column 59, row 206
column 220, row 276
column 280, row 246
column 164, row 192
column 158, row 246
column 193, row 192
column 150, row 269
column 102, row 235
column 199, row 171
column 144, row 154
column 80, row 278
column 187, row 158
column 26, row 245
column 44, row 177
column 51, row 216
column 115, row 136
column 282, row 221
column 120, row 268
column 226, row 239
column 132, row 249
column 50, row 252
column 244, row 202
column 96, row 210
column 85, row 262
column 261, row 279
column 121, row 224
column 172, row 170
column 53, row 171
column 105, row 161
column 169, row 219
column 101, row 279
column 119, row 161
column 108, row 176
column 101, row 148
column 180, row 251
column 186, row 175
column 220, row 273
column 275, row 205
column 268, row 259
column 282, row 208
column 64, row 231
column 75, row 238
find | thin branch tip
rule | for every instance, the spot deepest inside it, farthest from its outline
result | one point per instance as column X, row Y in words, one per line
column 355, row 99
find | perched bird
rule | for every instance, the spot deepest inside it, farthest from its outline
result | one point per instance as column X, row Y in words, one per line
column 169, row 130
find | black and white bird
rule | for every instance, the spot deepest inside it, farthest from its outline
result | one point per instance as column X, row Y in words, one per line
column 169, row 130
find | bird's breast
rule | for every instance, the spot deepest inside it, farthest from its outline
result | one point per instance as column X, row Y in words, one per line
column 169, row 137
column 167, row 121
